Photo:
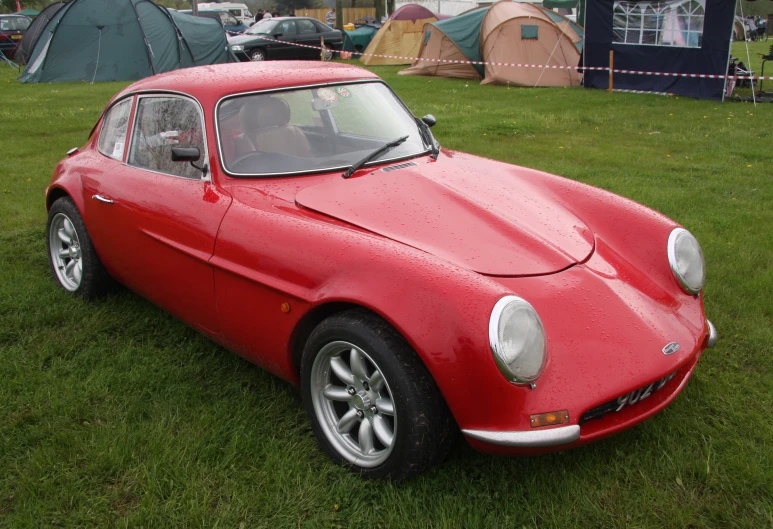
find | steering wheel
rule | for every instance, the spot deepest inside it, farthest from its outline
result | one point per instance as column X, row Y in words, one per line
column 253, row 156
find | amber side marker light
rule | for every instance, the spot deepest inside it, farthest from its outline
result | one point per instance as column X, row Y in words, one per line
column 549, row 419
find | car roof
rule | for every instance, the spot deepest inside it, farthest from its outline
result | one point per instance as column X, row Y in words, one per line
column 210, row 83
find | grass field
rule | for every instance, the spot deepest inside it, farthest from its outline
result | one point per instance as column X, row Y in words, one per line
column 114, row 414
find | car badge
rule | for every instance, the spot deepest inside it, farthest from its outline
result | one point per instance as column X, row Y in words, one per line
column 670, row 348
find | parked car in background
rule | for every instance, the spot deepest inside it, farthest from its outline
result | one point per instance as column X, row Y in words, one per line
column 240, row 11
column 300, row 215
column 370, row 21
column 250, row 46
column 230, row 23
column 12, row 29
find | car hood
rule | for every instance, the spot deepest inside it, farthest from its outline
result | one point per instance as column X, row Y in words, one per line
column 242, row 39
column 475, row 213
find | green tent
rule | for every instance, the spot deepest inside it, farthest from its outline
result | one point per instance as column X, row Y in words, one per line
column 29, row 12
column 451, row 42
column 122, row 40
column 358, row 39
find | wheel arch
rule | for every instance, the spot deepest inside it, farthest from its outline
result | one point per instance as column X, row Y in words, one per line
column 314, row 317
column 54, row 194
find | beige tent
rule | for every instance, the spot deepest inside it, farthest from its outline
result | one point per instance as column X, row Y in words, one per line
column 514, row 32
column 448, row 47
column 399, row 37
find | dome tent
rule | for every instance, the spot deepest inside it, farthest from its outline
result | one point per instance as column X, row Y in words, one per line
column 35, row 30
column 122, row 40
column 513, row 32
column 454, row 39
column 400, row 36
column 507, row 32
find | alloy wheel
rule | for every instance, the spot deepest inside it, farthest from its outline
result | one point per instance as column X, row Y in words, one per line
column 65, row 250
column 353, row 404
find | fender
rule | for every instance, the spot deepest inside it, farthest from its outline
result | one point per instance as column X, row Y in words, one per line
column 265, row 259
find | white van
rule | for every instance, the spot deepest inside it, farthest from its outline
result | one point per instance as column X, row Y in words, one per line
column 240, row 11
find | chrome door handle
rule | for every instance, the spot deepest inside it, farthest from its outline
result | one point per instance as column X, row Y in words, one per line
column 102, row 199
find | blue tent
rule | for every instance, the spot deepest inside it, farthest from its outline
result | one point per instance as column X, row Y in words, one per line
column 674, row 36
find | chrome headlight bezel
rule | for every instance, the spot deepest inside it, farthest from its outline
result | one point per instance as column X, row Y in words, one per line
column 673, row 251
column 497, row 348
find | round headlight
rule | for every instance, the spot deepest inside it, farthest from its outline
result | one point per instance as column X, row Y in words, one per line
column 517, row 340
column 686, row 260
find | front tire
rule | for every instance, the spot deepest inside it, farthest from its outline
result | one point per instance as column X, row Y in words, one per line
column 372, row 404
column 74, row 263
column 257, row 55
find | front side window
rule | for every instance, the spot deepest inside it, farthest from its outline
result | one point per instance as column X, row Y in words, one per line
column 677, row 23
column 161, row 123
column 112, row 139
column 286, row 28
column 264, row 26
column 313, row 129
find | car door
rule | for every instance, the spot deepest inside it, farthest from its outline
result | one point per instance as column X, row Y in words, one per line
column 310, row 36
column 155, row 220
column 286, row 32
column 333, row 37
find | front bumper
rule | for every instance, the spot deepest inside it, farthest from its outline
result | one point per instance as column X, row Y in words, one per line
column 531, row 439
column 538, row 441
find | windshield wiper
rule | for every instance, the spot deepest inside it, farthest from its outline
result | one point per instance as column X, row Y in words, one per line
column 375, row 154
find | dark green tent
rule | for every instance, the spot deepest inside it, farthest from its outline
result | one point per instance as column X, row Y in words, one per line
column 358, row 39
column 122, row 40
column 29, row 12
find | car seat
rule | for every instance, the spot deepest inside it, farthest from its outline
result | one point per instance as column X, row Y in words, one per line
column 266, row 125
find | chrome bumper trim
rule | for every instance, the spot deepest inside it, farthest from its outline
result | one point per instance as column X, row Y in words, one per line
column 712, row 335
column 528, row 439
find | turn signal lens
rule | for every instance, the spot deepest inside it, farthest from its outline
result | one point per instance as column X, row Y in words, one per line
column 550, row 419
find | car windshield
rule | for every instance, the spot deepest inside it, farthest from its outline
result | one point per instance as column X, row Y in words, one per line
column 313, row 129
column 262, row 27
column 14, row 23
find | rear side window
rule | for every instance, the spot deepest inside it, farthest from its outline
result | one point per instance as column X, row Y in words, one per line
column 306, row 27
column 112, row 139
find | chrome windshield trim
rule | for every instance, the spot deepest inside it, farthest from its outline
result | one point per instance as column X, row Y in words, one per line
column 528, row 439
column 307, row 171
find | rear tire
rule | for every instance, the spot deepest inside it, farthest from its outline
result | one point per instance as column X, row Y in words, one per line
column 74, row 263
column 372, row 404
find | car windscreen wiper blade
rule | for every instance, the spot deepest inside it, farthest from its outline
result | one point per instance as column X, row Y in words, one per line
column 375, row 154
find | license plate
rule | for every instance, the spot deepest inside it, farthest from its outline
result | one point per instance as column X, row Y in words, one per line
column 17, row 37
column 640, row 394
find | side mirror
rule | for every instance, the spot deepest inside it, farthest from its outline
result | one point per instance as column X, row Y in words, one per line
column 192, row 155
column 277, row 35
column 185, row 154
column 429, row 119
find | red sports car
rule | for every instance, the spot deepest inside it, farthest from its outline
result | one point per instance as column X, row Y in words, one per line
column 301, row 216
